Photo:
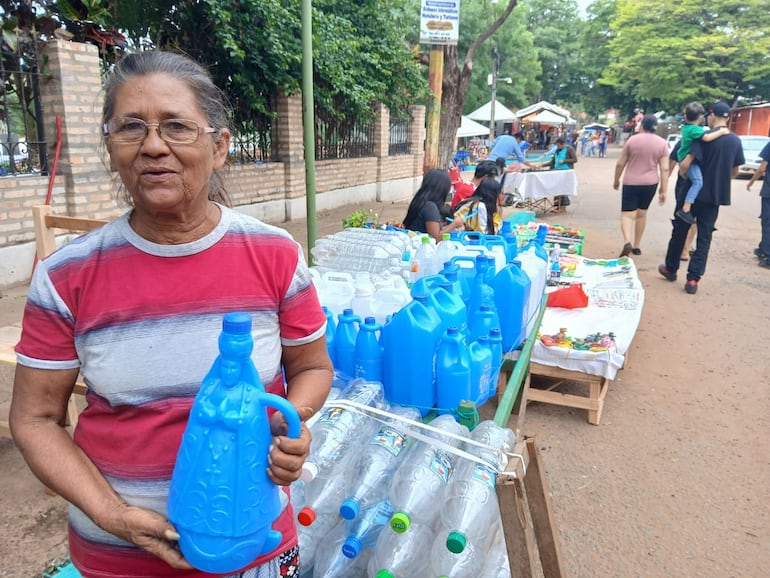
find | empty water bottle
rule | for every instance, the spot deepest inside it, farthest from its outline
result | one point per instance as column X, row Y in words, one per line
column 496, row 563
column 463, row 564
column 421, row 480
column 311, row 537
column 402, row 555
column 338, row 427
column 224, row 451
column 363, row 532
column 331, row 562
column 373, row 469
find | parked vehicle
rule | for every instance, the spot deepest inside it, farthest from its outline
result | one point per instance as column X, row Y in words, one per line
column 672, row 139
column 752, row 146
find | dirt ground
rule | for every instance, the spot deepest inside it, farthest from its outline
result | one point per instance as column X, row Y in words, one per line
column 676, row 479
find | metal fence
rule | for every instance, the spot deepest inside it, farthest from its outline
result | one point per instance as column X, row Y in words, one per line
column 340, row 137
column 398, row 143
column 254, row 141
column 22, row 137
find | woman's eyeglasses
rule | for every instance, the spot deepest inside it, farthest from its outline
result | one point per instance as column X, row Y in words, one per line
column 172, row 130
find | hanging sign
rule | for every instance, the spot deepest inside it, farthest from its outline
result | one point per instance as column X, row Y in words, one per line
column 439, row 21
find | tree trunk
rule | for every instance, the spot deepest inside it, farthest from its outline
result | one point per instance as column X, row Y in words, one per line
column 454, row 87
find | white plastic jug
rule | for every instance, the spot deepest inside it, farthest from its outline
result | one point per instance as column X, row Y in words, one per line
column 337, row 292
column 388, row 301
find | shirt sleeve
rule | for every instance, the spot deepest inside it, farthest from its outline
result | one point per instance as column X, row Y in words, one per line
column 431, row 213
column 301, row 318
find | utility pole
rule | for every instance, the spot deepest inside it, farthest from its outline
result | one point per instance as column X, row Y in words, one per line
column 435, row 79
column 495, row 72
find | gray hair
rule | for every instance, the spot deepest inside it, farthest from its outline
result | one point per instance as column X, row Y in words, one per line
column 210, row 99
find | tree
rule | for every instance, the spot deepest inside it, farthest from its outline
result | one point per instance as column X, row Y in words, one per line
column 454, row 88
column 557, row 28
column 671, row 53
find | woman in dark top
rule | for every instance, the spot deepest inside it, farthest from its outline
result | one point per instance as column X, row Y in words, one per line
column 424, row 213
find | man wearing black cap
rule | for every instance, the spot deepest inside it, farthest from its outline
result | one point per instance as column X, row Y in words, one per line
column 719, row 161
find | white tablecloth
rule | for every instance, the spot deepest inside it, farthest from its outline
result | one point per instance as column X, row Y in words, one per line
column 541, row 184
column 615, row 305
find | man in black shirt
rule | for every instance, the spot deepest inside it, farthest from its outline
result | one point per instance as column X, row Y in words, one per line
column 719, row 161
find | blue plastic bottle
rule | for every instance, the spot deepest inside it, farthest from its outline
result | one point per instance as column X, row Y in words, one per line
column 511, row 288
column 452, row 274
column 331, row 334
column 450, row 306
column 496, row 347
column 363, row 532
column 481, row 292
column 410, row 340
column 368, row 352
column 453, row 372
column 224, row 452
column 345, row 342
column 481, row 369
column 482, row 322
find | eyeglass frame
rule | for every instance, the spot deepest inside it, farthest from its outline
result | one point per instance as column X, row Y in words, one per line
column 156, row 126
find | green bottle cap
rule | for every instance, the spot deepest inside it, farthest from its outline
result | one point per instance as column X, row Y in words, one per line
column 456, row 542
column 468, row 415
column 400, row 522
column 384, row 574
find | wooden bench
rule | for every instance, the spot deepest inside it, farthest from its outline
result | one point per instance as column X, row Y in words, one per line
column 46, row 227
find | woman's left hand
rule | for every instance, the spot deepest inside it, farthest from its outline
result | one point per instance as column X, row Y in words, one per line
column 288, row 454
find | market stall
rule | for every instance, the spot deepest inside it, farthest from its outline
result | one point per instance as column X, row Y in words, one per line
column 536, row 189
column 588, row 344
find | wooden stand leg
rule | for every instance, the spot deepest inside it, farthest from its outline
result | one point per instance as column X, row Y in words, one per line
column 519, row 541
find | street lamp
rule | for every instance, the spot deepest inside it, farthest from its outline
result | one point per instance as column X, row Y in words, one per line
column 492, row 81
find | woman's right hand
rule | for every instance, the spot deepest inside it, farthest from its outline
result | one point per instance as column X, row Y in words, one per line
column 149, row 531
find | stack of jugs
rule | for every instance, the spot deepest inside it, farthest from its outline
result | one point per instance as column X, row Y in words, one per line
column 410, row 340
column 440, row 295
column 493, row 246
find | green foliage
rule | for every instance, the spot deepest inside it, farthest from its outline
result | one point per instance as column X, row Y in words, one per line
column 670, row 53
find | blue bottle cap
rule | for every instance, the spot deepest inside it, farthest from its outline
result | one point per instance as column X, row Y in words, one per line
column 349, row 509
column 452, row 330
column 495, row 332
column 369, row 321
column 352, row 547
column 236, row 323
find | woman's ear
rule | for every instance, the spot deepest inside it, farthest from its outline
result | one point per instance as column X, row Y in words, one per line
column 221, row 148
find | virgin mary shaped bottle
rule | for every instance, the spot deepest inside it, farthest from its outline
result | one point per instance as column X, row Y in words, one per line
column 221, row 500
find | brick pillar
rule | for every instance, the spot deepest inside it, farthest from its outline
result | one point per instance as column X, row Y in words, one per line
column 291, row 152
column 417, row 137
column 72, row 90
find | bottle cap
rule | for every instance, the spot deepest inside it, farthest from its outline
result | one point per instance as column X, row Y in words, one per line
column 400, row 522
column 309, row 472
column 384, row 574
column 467, row 414
column 456, row 542
column 352, row 547
column 236, row 323
column 306, row 516
column 350, row 509
column 425, row 239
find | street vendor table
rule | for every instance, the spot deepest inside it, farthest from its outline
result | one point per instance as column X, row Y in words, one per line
column 537, row 188
column 615, row 305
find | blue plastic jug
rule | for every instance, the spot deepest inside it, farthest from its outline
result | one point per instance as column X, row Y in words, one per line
column 450, row 306
column 452, row 274
column 410, row 341
column 453, row 372
column 331, row 334
column 511, row 288
column 496, row 347
column 481, row 369
column 368, row 353
column 221, row 500
column 345, row 342
column 481, row 292
column 482, row 322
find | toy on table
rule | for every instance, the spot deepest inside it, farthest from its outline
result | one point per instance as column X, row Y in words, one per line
column 594, row 342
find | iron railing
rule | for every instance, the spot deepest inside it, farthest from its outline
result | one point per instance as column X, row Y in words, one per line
column 254, row 141
column 341, row 137
column 398, row 142
column 22, row 136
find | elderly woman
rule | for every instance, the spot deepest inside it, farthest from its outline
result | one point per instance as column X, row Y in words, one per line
column 136, row 308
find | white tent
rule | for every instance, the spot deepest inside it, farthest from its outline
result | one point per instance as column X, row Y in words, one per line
column 484, row 113
column 545, row 117
column 542, row 105
column 470, row 127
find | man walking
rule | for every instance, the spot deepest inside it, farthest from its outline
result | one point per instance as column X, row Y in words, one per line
column 719, row 161
column 763, row 250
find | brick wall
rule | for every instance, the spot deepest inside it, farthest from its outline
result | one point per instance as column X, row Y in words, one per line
column 84, row 186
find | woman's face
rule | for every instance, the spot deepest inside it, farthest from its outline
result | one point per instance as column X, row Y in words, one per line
column 165, row 178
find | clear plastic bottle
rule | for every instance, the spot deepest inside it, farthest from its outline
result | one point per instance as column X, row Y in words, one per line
column 464, row 564
column 338, row 428
column 373, row 469
column 331, row 562
column 426, row 258
column 310, row 537
column 362, row 533
column 496, row 563
column 446, row 249
column 421, row 480
column 402, row 555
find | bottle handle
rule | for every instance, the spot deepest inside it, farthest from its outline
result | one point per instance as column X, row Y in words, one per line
column 288, row 411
